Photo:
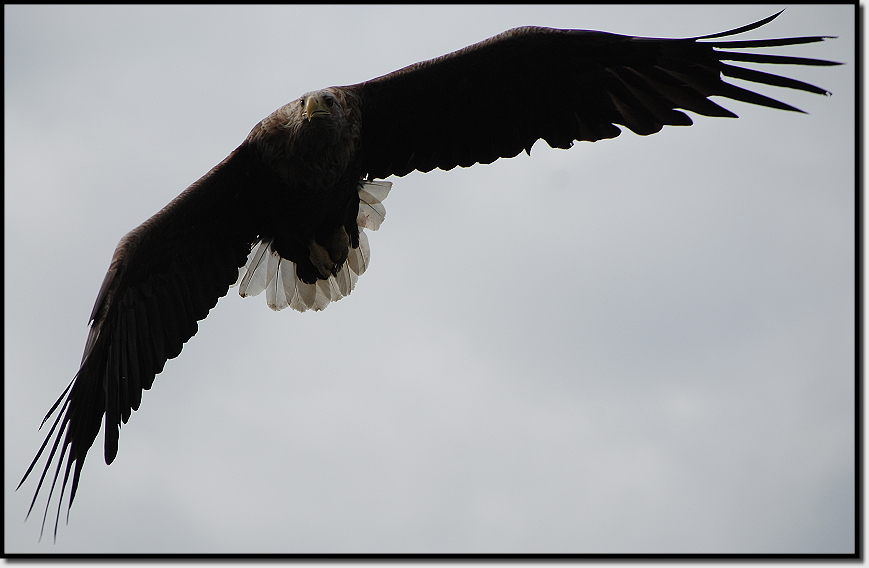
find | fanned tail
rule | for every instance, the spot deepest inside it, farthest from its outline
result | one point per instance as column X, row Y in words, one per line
column 266, row 270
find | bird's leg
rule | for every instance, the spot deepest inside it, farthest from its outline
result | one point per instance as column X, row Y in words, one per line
column 338, row 246
column 320, row 258
column 328, row 259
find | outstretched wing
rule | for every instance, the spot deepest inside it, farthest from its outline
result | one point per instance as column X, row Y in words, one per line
column 165, row 275
column 496, row 98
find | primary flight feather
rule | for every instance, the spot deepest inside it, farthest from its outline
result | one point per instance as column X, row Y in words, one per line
column 284, row 212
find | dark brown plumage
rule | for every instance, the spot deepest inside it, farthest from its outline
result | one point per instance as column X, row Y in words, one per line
column 298, row 189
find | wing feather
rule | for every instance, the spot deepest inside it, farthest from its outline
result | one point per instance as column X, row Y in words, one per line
column 495, row 98
column 164, row 276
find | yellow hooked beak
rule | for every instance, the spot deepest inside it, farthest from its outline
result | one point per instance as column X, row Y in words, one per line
column 315, row 105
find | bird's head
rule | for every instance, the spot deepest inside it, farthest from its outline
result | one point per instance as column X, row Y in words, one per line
column 315, row 129
column 317, row 105
column 318, row 116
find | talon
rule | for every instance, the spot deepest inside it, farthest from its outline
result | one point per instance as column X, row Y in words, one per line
column 338, row 246
column 329, row 259
column 320, row 259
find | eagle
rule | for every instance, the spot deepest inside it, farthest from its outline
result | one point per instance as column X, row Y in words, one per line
column 285, row 212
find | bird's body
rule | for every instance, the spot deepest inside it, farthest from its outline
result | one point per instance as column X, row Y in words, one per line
column 284, row 212
column 313, row 195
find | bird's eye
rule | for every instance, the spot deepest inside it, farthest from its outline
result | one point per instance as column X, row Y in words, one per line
column 328, row 102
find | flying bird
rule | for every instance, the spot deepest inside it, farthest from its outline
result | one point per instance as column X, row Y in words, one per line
column 285, row 212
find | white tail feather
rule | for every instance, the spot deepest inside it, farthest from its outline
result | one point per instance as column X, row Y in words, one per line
column 371, row 210
column 254, row 274
column 357, row 260
column 266, row 270
column 374, row 191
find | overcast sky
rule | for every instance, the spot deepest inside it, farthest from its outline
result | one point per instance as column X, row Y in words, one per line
column 644, row 344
